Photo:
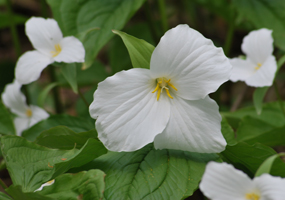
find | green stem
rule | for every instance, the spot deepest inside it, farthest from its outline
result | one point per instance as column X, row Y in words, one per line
column 161, row 5
column 4, row 186
column 55, row 91
column 44, row 8
column 280, row 62
column 83, row 98
column 229, row 39
column 150, row 22
column 279, row 97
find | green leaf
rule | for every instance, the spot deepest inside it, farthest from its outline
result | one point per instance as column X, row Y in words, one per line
column 76, row 124
column 17, row 194
column 6, row 121
column 265, row 167
column 258, row 97
column 106, row 15
column 69, row 73
column 248, row 158
column 31, row 165
column 44, row 93
column 151, row 174
column 61, row 137
column 4, row 196
column 264, row 14
column 228, row 133
column 83, row 185
column 140, row 51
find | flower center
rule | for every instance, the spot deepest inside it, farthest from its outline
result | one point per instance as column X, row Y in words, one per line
column 258, row 66
column 29, row 112
column 162, row 83
column 252, row 196
column 57, row 48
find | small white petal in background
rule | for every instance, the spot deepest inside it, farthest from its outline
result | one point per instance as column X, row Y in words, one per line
column 46, row 37
column 221, row 181
column 45, row 184
column 26, row 116
column 168, row 104
column 258, row 70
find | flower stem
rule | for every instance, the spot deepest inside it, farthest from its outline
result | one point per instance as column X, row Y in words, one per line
column 83, row 98
column 239, row 99
column 161, row 5
column 150, row 22
column 4, row 186
column 279, row 97
column 55, row 91
column 230, row 33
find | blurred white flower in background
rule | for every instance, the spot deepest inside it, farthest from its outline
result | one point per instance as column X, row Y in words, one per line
column 46, row 37
column 258, row 70
column 167, row 104
column 26, row 116
column 221, row 181
column 44, row 185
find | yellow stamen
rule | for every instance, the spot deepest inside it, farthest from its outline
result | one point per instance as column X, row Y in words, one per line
column 162, row 84
column 252, row 196
column 57, row 48
column 50, row 182
column 29, row 112
column 258, row 66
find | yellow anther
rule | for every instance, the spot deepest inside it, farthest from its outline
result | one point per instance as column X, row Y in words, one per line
column 29, row 112
column 162, row 83
column 57, row 48
column 258, row 66
column 50, row 182
column 252, row 196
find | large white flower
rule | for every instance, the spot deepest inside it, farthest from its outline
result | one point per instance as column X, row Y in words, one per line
column 15, row 100
column 168, row 104
column 259, row 68
column 46, row 37
column 221, row 181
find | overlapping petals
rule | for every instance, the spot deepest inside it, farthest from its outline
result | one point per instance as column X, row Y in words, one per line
column 27, row 116
column 258, row 70
column 221, row 181
column 167, row 104
column 46, row 37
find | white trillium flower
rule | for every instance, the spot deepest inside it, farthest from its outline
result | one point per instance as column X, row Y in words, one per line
column 44, row 185
column 167, row 104
column 15, row 100
column 258, row 70
column 46, row 37
column 221, row 181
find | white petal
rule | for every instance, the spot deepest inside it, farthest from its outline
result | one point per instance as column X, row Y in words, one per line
column 21, row 124
column 270, row 187
column 38, row 114
column 195, row 66
column 264, row 75
column 30, row 65
column 258, row 45
column 129, row 115
column 72, row 50
column 242, row 69
column 14, row 99
column 45, row 184
column 43, row 34
column 193, row 126
column 222, row 181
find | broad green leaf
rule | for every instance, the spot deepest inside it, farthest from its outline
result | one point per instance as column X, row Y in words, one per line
column 228, row 133
column 83, row 185
column 151, row 174
column 140, row 51
column 6, row 121
column 248, row 158
column 4, row 196
column 61, row 137
column 105, row 15
column 265, row 167
column 17, row 194
column 43, row 95
column 31, row 165
column 250, row 127
column 258, row 97
column 69, row 73
column 76, row 124
column 264, row 14
column 271, row 112
column 5, row 19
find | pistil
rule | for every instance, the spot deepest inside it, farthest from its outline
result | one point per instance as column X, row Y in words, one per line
column 162, row 83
